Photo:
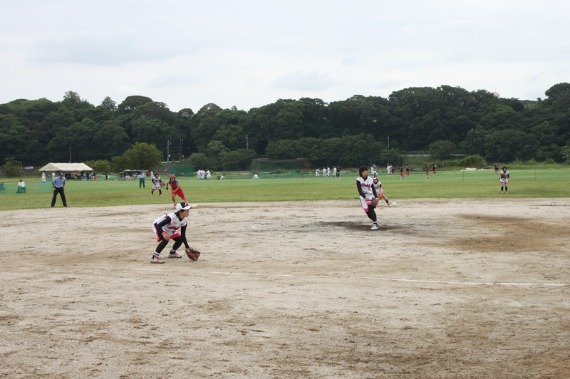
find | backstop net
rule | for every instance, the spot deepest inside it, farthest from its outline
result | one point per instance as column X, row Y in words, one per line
column 268, row 168
column 182, row 170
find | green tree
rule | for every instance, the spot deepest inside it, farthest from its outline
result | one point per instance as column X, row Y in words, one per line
column 71, row 97
column 288, row 121
column 237, row 159
column 183, row 125
column 509, row 145
column 153, row 131
column 132, row 103
column 326, row 152
column 75, row 142
column 215, row 152
column 205, row 123
column 441, row 149
column 142, row 156
column 566, row 153
column 100, row 166
column 315, row 118
column 111, row 140
column 109, row 104
column 232, row 136
column 393, row 156
column 12, row 167
column 155, row 110
column 282, row 149
column 199, row 161
column 474, row 143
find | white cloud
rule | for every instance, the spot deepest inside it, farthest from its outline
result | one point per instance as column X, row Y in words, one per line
column 251, row 53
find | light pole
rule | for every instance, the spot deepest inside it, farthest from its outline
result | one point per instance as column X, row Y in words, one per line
column 167, row 151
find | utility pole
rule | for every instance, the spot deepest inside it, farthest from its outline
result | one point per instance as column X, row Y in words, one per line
column 69, row 154
column 180, row 150
column 247, row 142
column 167, row 151
column 388, row 142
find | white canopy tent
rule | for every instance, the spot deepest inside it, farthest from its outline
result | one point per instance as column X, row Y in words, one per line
column 65, row 167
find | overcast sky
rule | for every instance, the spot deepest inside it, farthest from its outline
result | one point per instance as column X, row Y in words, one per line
column 249, row 53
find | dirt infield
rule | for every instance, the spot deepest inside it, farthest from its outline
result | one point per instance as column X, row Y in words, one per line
column 445, row 289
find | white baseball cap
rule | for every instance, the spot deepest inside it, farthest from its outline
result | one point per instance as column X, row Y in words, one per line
column 183, row 206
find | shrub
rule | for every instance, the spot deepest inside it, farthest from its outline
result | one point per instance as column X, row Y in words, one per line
column 476, row 161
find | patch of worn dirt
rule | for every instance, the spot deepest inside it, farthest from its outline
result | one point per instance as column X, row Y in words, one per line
column 456, row 289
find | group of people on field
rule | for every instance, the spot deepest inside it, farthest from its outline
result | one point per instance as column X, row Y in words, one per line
column 370, row 190
column 326, row 172
column 173, row 225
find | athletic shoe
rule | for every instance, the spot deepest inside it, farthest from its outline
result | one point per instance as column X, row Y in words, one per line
column 374, row 227
column 174, row 254
column 156, row 260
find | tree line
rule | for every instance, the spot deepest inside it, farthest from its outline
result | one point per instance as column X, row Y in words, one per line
column 360, row 130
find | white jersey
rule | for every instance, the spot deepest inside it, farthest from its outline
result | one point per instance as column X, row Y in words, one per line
column 156, row 184
column 504, row 176
column 378, row 188
column 367, row 186
column 380, row 192
column 173, row 227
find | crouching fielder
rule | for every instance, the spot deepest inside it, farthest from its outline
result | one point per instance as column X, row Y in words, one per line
column 367, row 195
column 172, row 226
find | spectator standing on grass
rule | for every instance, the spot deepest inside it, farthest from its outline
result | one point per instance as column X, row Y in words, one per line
column 58, row 184
column 44, row 177
column 141, row 180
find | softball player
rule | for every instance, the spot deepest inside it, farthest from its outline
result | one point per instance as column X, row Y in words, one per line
column 176, row 190
column 171, row 226
column 504, row 180
column 156, row 185
column 379, row 191
column 367, row 195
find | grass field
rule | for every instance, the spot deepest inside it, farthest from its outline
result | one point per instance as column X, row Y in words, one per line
column 532, row 182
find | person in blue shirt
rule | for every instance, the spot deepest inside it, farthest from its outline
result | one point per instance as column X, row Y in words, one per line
column 58, row 184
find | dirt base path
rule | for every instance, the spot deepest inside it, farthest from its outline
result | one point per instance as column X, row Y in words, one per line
column 445, row 289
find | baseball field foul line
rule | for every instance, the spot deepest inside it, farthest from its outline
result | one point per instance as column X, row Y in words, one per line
column 426, row 281
column 512, row 284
